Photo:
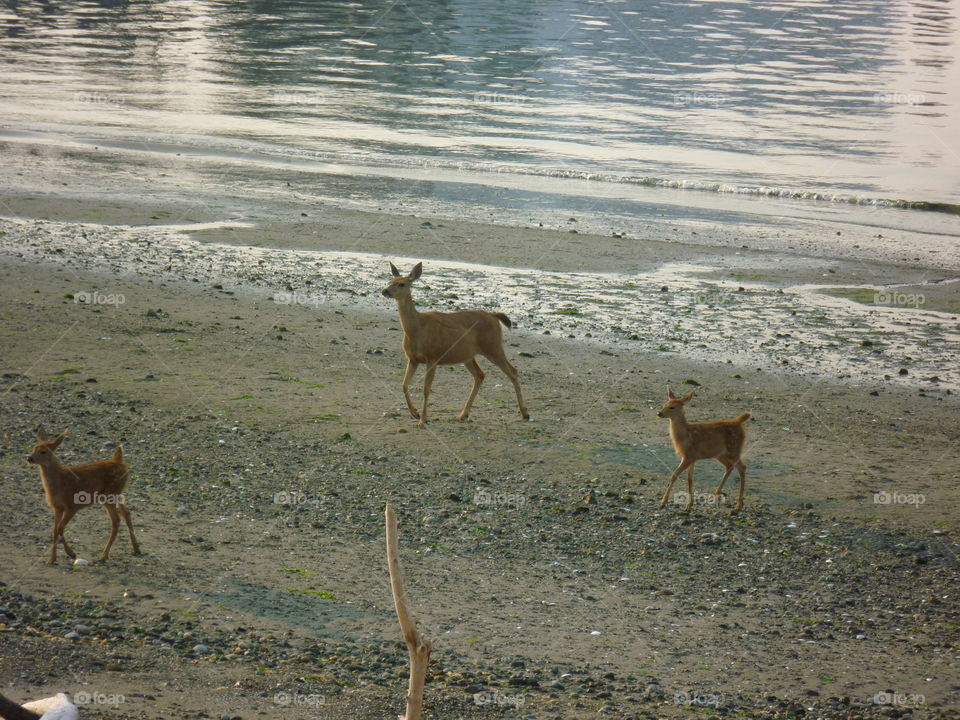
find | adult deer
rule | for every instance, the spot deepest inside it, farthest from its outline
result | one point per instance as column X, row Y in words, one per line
column 721, row 440
column 440, row 338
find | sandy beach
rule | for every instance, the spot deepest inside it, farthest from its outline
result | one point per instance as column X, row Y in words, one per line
column 252, row 370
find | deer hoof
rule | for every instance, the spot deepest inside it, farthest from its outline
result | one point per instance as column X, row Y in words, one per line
column 461, row 418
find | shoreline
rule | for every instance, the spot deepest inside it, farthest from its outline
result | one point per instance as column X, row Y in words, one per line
column 53, row 181
column 875, row 324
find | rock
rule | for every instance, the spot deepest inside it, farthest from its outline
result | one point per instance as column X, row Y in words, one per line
column 201, row 649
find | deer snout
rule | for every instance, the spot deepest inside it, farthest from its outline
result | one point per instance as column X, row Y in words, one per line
column 386, row 292
column 31, row 460
column 660, row 414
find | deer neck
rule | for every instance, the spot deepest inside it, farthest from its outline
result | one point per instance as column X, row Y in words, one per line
column 409, row 317
column 50, row 473
column 679, row 430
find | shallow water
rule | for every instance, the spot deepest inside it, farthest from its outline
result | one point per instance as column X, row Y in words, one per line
column 501, row 107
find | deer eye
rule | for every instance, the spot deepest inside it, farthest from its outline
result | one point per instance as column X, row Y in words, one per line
column 401, row 284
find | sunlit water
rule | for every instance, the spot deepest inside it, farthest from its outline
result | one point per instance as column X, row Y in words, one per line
column 824, row 102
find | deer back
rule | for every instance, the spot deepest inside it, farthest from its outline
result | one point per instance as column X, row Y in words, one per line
column 720, row 438
column 101, row 478
column 452, row 338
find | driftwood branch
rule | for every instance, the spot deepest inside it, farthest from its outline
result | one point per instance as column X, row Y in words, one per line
column 418, row 646
column 12, row 711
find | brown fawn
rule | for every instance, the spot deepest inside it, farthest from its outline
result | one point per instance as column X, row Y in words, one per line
column 440, row 338
column 70, row 488
column 721, row 440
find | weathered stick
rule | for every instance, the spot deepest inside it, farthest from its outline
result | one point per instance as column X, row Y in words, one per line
column 12, row 711
column 419, row 647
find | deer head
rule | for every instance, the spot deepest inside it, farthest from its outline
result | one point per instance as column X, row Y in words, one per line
column 400, row 284
column 673, row 407
column 43, row 451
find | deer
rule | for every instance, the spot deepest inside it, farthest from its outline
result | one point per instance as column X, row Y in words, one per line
column 448, row 338
column 67, row 489
column 720, row 440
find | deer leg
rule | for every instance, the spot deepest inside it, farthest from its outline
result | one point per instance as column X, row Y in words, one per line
column 427, row 382
column 57, row 514
column 726, row 474
column 477, row 373
column 66, row 517
column 742, row 469
column 114, row 527
column 500, row 360
column 125, row 511
column 676, row 473
column 407, row 376
column 689, row 488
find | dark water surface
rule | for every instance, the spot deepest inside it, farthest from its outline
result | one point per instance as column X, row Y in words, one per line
column 818, row 102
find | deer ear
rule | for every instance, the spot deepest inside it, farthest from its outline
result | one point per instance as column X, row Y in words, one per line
column 393, row 269
column 670, row 394
column 688, row 396
column 41, row 434
column 59, row 439
column 417, row 270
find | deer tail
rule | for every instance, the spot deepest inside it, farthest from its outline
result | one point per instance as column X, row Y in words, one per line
column 118, row 454
column 503, row 318
column 742, row 418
